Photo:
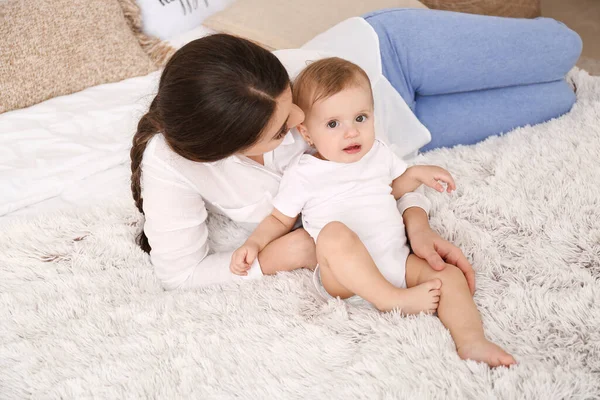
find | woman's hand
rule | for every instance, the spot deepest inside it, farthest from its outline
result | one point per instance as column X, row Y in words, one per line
column 430, row 246
column 242, row 258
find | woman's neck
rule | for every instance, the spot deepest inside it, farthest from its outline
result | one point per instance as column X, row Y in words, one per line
column 259, row 159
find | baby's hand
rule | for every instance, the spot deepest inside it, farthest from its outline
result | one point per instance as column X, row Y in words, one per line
column 431, row 175
column 242, row 258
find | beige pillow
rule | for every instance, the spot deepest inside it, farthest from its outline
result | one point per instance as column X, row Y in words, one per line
column 285, row 24
column 50, row 48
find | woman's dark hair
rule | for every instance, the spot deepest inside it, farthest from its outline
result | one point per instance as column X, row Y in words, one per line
column 215, row 97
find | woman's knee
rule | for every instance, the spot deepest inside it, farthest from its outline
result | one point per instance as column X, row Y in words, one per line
column 450, row 276
column 567, row 42
column 571, row 40
column 564, row 98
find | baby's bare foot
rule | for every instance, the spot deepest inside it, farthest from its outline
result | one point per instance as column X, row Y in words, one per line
column 485, row 351
column 421, row 298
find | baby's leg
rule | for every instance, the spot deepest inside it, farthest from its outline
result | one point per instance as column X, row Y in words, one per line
column 348, row 269
column 289, row 252
column 458, row 312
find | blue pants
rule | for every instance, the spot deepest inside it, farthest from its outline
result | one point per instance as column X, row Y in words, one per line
column 467, row 77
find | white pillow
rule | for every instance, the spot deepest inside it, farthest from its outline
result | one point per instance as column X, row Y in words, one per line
column 355, row 40
column 165, row 19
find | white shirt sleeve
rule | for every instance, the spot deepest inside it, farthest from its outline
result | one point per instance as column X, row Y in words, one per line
column 397, row 165
column 410, row 199
column 414, row 199
column 178, row 234
column 291, row 197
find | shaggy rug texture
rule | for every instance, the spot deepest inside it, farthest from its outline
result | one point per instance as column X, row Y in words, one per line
column 82, row 315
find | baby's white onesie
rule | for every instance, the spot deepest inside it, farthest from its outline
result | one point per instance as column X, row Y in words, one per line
column 357, row 194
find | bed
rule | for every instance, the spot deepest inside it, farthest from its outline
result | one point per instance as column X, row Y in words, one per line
column 83, row 315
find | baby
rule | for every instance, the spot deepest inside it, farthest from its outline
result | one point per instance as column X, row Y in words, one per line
column 354, row 179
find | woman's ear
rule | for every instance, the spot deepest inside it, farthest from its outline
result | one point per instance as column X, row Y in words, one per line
column 304, row 132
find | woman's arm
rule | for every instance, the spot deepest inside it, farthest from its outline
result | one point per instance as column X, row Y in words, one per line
column 428, row 244
column 177, row 231
column 404, row 184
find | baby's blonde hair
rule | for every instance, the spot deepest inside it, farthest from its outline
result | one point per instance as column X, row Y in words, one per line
column 324, row 78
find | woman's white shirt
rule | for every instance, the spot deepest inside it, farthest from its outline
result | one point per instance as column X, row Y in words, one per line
column 178, row 193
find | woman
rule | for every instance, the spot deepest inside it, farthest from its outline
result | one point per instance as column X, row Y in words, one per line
column 217, row 135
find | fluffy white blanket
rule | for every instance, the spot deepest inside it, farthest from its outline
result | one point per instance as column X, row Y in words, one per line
column 82, row 315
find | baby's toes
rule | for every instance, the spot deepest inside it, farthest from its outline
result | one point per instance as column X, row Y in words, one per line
column 506, row 359
column 434, row 285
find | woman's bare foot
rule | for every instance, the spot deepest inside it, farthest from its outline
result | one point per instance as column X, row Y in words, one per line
column 485, row 351
column 421, row 298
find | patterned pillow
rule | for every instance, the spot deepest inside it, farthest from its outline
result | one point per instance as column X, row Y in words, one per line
column 166, row 19
column 50, row 48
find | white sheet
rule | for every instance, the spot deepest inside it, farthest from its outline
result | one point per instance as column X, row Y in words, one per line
column 49, row 146
column 74, row 150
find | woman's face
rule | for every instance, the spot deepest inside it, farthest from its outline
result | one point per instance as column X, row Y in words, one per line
column 287, row 115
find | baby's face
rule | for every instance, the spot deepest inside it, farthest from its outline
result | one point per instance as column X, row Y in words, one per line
column 342, row 126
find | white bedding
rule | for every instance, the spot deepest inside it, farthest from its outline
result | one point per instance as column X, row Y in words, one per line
column 73, row 150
